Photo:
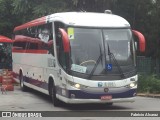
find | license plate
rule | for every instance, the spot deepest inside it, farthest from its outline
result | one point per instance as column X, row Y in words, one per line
column 107, row 97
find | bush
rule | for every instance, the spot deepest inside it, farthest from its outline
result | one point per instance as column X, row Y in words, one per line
column 148, row 84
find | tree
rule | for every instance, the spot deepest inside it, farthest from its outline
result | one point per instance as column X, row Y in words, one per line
column 93, row 5
column 7, row 19
column 30, row 9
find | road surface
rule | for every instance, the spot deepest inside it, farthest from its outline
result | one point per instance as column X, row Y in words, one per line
column 34, row 101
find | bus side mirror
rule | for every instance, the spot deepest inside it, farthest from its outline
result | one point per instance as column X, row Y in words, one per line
column 65, row 40
column 141, row 40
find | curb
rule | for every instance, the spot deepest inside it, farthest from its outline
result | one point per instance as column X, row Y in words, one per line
column 148, row 95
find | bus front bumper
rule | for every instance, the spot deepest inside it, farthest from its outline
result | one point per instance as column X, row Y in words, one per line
column 80, row 101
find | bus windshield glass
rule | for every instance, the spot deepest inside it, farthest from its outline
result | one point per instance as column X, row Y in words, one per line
column 5, row 56
column 92, row 45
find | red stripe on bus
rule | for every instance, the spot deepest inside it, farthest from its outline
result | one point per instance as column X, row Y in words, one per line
column 30, row 51
column 5, row 39
column 39, row 21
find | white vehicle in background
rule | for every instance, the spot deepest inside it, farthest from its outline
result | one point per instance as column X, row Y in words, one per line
column 78, row 57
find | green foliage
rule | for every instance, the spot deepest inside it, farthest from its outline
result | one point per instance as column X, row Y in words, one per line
column 38, row 8
column 148, row 84
column 7, row 19
column 49, row 7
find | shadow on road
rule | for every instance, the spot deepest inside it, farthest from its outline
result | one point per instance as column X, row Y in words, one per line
column 80, row 106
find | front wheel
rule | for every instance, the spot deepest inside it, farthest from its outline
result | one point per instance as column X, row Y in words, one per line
column 54, row 99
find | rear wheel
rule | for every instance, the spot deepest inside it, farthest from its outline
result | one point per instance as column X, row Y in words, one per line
column 21, row 78
column 52, row 92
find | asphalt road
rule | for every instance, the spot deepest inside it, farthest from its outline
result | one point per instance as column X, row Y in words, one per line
column 34, row 101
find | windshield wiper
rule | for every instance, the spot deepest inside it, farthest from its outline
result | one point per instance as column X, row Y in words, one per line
column 115, row 61
column 97, row 62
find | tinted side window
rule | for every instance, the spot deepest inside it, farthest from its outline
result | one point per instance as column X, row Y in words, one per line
column 37, row 38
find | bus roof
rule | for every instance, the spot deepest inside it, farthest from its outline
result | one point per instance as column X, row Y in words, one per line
column 89, row 19
column 4, row 39
column 86, row 19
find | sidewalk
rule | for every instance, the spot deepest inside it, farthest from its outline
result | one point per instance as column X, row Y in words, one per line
column 148, row 95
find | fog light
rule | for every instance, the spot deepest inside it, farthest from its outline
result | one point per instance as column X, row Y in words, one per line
column 77, row 86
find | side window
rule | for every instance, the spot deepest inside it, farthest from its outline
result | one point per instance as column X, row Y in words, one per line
column 45, row 34
column 38, row 37
column 59, row 45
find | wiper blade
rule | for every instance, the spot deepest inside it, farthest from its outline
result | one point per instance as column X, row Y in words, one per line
column 97, row 62
column 115, row 61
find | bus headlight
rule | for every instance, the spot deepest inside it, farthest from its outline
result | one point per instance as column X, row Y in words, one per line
column 132, row 85
column 76, row 85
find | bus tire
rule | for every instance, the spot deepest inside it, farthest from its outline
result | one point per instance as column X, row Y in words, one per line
column 52, row 92
column 21, row 78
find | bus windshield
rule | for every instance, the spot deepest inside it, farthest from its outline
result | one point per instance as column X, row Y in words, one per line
column 92, row 45
column 5, row 56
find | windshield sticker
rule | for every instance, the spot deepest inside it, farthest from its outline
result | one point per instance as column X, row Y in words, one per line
column 71, row 33
column 109, row 67
column 78, row 68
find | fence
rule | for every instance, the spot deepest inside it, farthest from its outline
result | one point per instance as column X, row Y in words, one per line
column 144, row 65
column 147, row 65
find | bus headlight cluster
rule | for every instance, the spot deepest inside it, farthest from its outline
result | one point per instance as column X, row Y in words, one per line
column 132, row 85
column 76, row 85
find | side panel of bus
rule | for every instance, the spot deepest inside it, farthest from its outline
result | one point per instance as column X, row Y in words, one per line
column 33, row 54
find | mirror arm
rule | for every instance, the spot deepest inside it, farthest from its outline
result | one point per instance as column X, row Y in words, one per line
column 141, row 40
column 65, row 39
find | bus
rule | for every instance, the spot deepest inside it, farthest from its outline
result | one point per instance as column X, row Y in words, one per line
column 5, row 54
column 78, row 57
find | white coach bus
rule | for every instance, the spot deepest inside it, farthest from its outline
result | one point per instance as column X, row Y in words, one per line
column 78, row 57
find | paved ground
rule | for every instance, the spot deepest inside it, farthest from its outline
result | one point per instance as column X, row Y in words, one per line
column 23, row 101
column 34, row 101
column 149, row 95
